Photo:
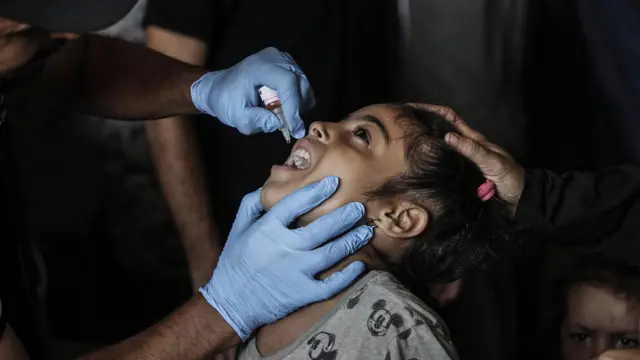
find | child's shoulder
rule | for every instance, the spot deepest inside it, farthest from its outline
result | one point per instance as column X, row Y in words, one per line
column 377, row 318
column 380, row 315
column 384, row 297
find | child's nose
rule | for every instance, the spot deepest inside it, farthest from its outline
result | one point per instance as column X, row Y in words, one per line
column 320, row 130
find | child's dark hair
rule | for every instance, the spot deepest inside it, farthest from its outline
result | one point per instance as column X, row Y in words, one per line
column 598, row 272
column 463, row 230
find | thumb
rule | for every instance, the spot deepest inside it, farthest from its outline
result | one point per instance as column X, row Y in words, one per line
column 259, row 120
column 489, row 162
column 249, row 211
column 340, row 280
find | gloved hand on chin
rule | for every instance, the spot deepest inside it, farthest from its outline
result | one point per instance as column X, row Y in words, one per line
column 231, row 95
column 267, row 270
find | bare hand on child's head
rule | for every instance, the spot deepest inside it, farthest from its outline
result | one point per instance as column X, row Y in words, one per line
column 495, row 163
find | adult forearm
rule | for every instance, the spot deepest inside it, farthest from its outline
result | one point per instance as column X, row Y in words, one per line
column 127, row 81
column 115, row 79
column 174, row 148
column 192, row 332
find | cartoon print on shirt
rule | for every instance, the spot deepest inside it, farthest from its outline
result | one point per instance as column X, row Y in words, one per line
column 321, row 346
column 355, row 299
column 382, row 319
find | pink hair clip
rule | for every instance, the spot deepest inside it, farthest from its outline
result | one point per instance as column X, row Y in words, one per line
column 486, row 190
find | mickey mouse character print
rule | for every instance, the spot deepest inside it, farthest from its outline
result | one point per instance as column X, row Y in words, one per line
column 377, row 318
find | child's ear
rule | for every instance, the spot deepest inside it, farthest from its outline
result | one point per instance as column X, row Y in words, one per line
column 400, row 219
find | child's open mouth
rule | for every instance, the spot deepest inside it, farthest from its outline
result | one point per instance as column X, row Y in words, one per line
column 299, row 159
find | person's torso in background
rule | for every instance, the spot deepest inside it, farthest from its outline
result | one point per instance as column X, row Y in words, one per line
column 587, row 84
column 340, row 45
column 612, row 33
column 17, row 270
column 95, row 210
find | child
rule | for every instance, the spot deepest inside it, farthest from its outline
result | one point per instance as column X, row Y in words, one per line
column 434, row 219
column 597, row 307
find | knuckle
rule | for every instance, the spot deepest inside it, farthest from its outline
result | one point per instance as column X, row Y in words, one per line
column 446, row 112
column 348, row 243
column 449, row 113
column 331, row 248
column 471, row 147
column 349, row 248
column 247, row 200
column 303, row 237
column 269, row 51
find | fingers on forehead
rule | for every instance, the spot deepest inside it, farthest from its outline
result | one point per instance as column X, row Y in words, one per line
column 444, row 111
column 450, row 115
column 466, row 130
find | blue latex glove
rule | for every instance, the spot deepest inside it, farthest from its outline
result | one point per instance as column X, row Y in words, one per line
column 267, row 270
column 232, row 95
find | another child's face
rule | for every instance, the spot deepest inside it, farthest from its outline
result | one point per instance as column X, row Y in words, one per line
column 364, row 151
column 598, row 320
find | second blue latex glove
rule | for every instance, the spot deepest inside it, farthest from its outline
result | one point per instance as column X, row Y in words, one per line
column 267, row 270
column 231, row 95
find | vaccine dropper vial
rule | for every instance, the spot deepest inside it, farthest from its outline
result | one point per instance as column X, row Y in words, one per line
column 272, row 102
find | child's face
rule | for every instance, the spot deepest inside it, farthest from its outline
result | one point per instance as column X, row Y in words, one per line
column 598, row 320
column 364, row 151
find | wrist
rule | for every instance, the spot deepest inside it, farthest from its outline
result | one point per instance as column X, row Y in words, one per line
column 519, row 186
column 200, row 90
column 225, row 336
column 223, row 306
column 521, row 205
column 201, row 265
column 182, row 89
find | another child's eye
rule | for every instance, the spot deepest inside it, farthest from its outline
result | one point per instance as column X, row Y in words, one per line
column 579, row 337
column 363, row 134
column 627, row 343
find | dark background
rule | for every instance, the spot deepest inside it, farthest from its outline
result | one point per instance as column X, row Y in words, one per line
column 527, row 75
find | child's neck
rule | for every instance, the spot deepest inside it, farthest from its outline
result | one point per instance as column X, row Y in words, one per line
column 274, row 337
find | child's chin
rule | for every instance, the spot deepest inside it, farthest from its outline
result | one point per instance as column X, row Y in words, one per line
column 269, row 197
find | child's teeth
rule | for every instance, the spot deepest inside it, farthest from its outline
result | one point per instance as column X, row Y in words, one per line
column 299, row 159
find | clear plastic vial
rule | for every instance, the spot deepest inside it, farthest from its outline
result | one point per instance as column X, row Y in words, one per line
column 272, row 102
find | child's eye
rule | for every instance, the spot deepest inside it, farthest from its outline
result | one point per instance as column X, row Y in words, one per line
column 626, row 343
column 363, row 134
column 580, row 338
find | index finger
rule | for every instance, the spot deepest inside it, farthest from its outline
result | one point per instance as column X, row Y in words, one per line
column 488, row 162
column 300, row 99
column 454, row 119
column 302, row 201
column 444, row 111
column 294, row 91
column 328, row 226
